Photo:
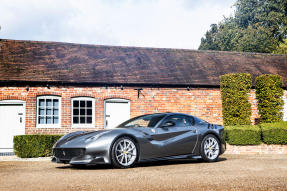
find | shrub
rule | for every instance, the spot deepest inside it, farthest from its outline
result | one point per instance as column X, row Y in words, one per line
column 269, row 97
column 28, row 146
column 243, row 135
column 274, row 133
column 236, row 108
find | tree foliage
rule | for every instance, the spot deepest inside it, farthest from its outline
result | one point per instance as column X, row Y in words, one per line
column 256, row 26
column 269, row 94
column 235, row 89
column 282, row 48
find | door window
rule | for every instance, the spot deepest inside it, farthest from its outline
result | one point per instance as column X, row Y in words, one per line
column 179, row 121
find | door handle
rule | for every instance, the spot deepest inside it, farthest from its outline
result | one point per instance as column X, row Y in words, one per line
column 20, row 119
column 194, row 131
column 106, row 122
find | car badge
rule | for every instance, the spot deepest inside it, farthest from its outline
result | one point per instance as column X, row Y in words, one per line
column 64, row 153
column 152, row 130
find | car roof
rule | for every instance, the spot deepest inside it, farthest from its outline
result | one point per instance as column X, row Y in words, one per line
column 169, row 113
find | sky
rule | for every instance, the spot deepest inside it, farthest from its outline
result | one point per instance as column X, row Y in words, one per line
column 140, row 23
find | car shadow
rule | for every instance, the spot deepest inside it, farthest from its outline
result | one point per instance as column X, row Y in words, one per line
column 174, row 162
column 142, row 164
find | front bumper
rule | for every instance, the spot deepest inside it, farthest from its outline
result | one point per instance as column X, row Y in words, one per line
column 75, row 156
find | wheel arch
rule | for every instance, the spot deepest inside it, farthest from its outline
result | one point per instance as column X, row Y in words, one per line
column 211, row 133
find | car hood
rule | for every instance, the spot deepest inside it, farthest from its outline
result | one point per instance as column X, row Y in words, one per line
column 78, row 139
column 77, row 136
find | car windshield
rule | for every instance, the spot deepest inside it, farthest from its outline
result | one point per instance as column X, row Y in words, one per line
column 142, row 121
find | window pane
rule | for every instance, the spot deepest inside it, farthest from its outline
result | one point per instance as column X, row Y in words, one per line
column 41, row 120
column 41, row 102
column 82, row 120
column 186, row 122
column 82, row 103
column 89, row 120
column 49, row 120
column 41, row 111
column 89, row 111
column 49, row 112
column 76, row 111
column 56, row 112
column 82, row 111
column 76, row 103
column 76, row 120
column 55, row 120
column 89, row 103
column 56, row 103
column 48, row 102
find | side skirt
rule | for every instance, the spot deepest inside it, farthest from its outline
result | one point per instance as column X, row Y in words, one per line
column 172, row 157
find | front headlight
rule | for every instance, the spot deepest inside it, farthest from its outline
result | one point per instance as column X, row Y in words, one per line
column 93, row 137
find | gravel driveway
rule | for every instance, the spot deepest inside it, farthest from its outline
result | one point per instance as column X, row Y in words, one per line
column 232, row 172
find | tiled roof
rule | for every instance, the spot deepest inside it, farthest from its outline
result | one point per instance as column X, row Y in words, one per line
column 78, row 63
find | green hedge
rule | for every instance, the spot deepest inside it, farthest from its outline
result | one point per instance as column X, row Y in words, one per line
column 274, row 133
column 269, row 94
column 28, row 146
column 243, row 135
column 235, row 88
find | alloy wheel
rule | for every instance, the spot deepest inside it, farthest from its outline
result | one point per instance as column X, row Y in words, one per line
column 125, row 152
column 211, row 148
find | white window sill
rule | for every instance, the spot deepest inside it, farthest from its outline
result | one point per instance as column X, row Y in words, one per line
column 52, row 126
column 83, row 126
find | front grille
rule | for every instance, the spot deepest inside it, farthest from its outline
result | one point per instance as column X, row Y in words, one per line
column 68, row 153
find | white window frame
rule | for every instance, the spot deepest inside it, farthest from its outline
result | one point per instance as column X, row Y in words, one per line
column 91, row 125
column 37, row 111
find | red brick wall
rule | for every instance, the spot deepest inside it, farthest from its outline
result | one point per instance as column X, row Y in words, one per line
column 203, row 103
column 256, row 149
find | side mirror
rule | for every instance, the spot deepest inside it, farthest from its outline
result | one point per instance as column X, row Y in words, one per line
column 168, row 124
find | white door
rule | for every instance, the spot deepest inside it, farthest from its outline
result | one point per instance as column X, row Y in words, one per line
column 12, row 122
column 116, row 112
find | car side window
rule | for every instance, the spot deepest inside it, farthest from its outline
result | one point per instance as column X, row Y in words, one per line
column 192, row 120
column 179, row 121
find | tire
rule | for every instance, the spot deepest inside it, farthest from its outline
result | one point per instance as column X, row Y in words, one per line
column 124, row 153
column 210, row 148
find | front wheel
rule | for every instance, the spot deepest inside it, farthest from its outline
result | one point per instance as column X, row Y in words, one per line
column 210, row 148
column 124, row 153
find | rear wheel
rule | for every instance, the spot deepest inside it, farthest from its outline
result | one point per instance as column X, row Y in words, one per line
column 124, row 153
column 210, row 148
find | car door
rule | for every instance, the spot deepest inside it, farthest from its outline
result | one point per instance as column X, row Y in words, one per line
column 176, row 135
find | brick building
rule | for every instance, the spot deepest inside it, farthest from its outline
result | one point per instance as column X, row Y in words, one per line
column 56, row 88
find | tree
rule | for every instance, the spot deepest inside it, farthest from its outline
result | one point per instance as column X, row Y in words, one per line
column 282, row 48
column 257, row 26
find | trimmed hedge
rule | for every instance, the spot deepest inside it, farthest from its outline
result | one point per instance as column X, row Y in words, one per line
column 274, row 133
column 269, row 94
column 29, row 146
column 236, row 108
column 243, row 135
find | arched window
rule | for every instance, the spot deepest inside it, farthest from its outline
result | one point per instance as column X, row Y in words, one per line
column 83, row 112
column 48, row 112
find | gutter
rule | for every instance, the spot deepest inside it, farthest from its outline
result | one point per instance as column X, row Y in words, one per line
column 15, row 83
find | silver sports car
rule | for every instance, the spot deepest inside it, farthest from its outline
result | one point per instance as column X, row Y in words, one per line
column 160, row 136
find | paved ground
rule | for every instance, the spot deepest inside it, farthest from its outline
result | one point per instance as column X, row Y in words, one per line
column 232, row 172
